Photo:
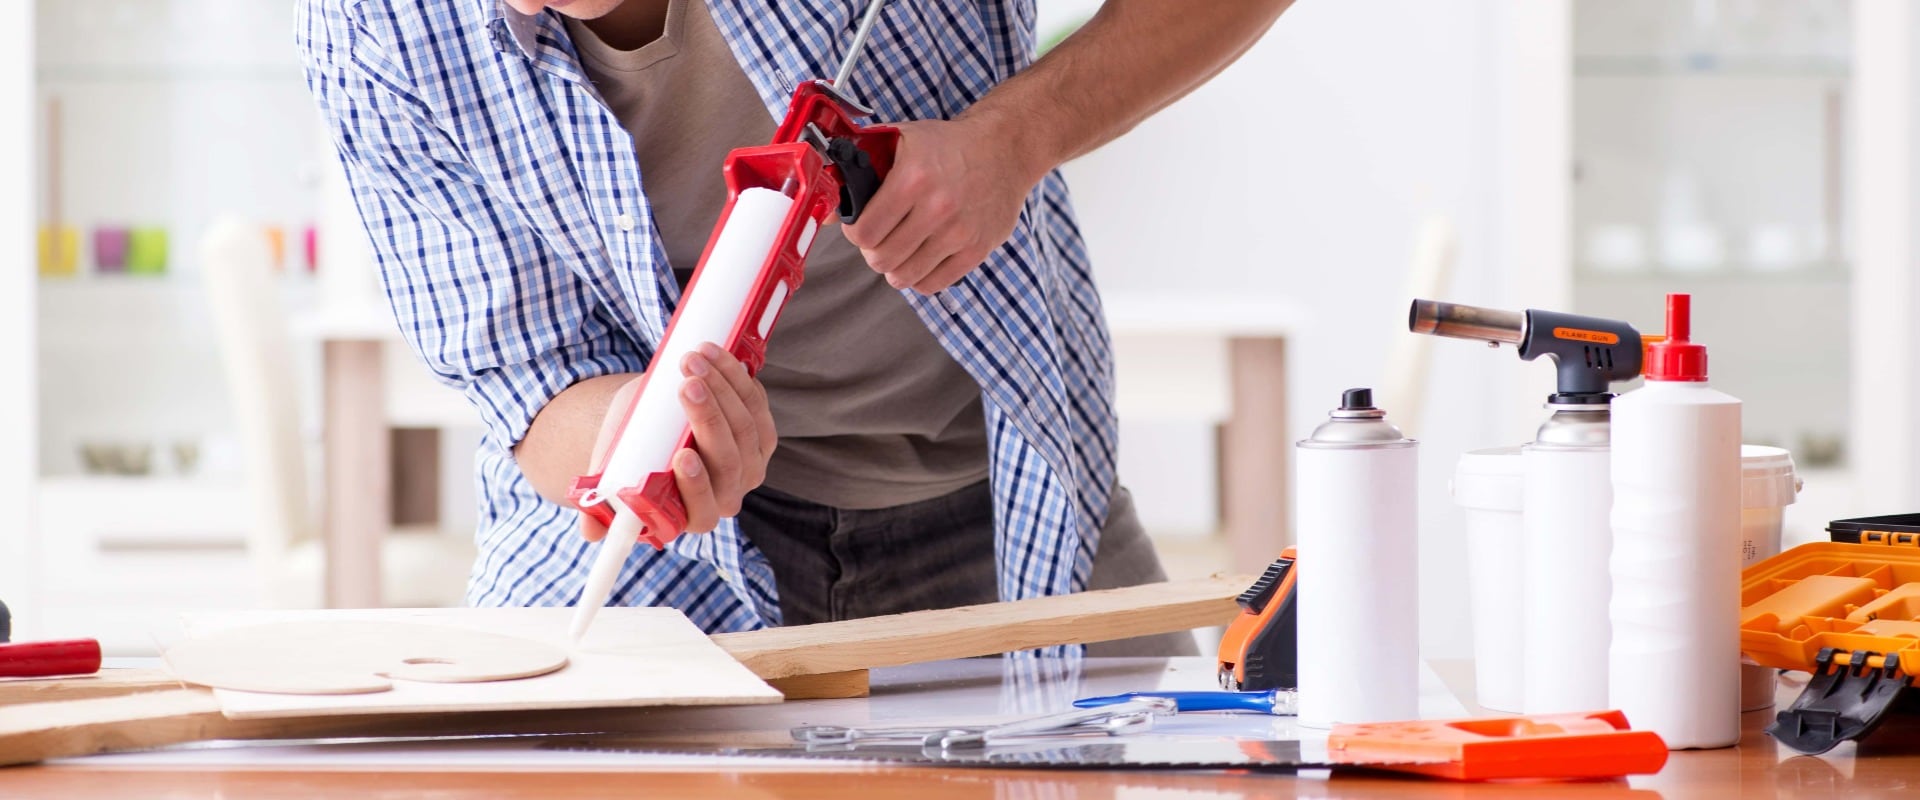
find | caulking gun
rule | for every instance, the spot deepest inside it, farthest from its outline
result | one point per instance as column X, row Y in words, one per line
column 778, row 196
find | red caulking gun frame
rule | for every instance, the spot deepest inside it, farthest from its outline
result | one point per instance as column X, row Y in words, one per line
column 778, row 196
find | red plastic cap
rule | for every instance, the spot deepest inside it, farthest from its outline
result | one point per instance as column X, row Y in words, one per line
column 1677, row 358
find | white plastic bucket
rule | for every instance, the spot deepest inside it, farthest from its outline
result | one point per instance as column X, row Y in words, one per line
column 1487, row 485
column 1767, row 486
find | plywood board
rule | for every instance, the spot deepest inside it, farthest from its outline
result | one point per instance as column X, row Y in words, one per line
column 631, row 657
column 355, row 657
column 988, row 629
column 147, row 714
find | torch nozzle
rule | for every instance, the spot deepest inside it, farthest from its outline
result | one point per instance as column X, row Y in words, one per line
column 1457, row 321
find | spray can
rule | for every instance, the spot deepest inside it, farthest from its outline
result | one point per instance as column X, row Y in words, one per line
column 1674, row 661
column 1564, row 520
column 1359, row 635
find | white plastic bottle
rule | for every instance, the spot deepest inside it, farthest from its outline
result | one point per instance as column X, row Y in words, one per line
column 1673, row 667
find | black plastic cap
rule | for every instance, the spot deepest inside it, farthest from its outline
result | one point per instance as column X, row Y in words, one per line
column 1356, row 400
column 6, row 624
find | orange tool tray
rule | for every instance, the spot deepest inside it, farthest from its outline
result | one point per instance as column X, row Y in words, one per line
column 1846, row 598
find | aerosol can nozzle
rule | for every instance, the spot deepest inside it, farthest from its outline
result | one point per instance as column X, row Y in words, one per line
column 1590, row 353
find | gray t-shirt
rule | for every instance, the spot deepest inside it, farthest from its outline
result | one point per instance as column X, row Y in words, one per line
column 872, row 411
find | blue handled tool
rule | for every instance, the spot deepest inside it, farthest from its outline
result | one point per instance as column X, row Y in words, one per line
column 1278, row 702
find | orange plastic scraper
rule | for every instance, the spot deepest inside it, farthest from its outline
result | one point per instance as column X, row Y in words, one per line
column 1594, row 744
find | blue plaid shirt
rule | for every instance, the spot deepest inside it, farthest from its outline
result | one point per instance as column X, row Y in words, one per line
column 508, row 213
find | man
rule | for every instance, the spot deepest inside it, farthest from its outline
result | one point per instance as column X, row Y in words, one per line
column 934, row 423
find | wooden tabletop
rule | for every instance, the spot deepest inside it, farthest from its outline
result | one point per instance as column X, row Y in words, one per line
column 1889, row 765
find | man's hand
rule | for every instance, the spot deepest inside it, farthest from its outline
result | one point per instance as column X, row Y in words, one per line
column 956, row 187
column 952, row 197
column 733, row 437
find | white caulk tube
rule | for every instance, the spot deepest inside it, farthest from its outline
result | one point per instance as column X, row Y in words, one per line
column 1674, row 665
column 1565, row 584
column 657, row 421
column 1359, row 634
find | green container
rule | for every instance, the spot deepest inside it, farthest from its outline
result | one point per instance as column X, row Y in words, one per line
column 147, row 251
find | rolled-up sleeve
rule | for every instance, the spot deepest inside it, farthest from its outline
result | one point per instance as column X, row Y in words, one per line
column 486, row 303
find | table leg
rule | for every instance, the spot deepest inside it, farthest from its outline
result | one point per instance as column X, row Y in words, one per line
column 1254, row 449
column 358, row 499
column 416, row 477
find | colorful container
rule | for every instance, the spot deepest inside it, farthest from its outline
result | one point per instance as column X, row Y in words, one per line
column 110, row 248
column 147, row 251
column 59, row 247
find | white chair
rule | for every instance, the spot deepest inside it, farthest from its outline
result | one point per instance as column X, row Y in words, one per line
column 422, row 567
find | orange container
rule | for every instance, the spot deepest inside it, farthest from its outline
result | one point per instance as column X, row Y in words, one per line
column 1596, row 744
column 1852, row 598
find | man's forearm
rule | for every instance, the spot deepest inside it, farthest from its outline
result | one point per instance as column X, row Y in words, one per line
column 559, row 444
column 1132, row 59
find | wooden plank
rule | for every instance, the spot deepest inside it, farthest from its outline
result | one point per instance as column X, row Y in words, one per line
column 120, row 682
column 35, row 732
column 32, row 732
column 106, row 683
column 981, row 630
column 830, row 686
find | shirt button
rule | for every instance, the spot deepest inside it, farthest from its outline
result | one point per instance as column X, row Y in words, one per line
column 623, row 222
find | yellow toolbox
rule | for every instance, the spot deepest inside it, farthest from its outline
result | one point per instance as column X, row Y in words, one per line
column 1847, row 613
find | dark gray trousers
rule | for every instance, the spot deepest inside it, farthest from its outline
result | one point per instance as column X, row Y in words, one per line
column 833, row 564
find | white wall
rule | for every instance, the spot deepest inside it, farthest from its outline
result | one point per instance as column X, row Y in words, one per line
column 17, row 441
column 1304, row 171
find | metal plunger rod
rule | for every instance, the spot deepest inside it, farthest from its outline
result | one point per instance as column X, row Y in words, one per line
column 1457, row 321
column 858, row 45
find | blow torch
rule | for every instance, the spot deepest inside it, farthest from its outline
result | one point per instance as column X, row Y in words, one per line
column 1589, row 353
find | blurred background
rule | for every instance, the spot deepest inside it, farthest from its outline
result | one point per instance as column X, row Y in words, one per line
column 182, row 437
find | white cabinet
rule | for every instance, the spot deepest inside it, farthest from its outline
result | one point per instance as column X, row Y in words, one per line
column 123, row 556
column 1755, row 154
column 128, row 125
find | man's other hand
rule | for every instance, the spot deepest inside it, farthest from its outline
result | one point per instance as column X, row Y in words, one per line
column 953, row 195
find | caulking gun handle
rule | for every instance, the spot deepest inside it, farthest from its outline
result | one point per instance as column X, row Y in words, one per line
column 863, row 164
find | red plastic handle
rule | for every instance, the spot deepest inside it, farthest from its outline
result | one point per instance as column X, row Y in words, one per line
column 46, row 659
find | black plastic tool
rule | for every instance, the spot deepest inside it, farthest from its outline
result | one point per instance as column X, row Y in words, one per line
column 1260, row 648
column 1842, row 702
